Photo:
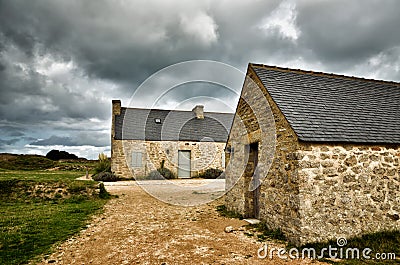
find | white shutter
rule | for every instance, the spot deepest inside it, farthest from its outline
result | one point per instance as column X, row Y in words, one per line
column 136, row 159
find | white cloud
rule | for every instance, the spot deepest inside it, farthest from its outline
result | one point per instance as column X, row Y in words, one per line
column 200, row 26
column 383, row 65
column 283, row 20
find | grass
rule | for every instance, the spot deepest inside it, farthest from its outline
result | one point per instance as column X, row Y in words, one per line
column 40, row 175
column 264, row 233
column 27, row 162
column 32, row 223
column 37, row 162
column 221, row 209
column 30, row 229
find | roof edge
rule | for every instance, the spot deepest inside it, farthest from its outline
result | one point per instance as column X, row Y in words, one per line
column 230, row 113
column 317, row 73
column 330, row 142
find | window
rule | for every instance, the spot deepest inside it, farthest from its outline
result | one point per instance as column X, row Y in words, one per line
column 136, row 159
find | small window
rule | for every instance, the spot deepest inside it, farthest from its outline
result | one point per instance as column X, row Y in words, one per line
column 157, row 120
column 136, row 159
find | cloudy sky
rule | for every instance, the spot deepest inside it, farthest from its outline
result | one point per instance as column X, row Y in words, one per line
column 63, row 61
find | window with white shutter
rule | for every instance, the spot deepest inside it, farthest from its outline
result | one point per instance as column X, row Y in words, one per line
column 136, row 159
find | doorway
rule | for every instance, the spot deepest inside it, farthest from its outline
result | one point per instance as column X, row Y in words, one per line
column 252, row 183
column 184, row 164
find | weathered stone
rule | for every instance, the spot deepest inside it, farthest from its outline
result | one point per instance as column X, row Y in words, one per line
column 351, row 161
column 349, row 178
column 229, row 229
column 330, row 172
column 374, row 158
column 324, row 149
column 356, row 169
column 379, row 171
column 324, row 156
column 326, row 163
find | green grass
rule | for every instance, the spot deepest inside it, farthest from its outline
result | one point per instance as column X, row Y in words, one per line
column 30, row 229
column 40, row 175
column 37, row 162
column 27, row 162
column 221, row 209
column 264, row 233
column 30, row 223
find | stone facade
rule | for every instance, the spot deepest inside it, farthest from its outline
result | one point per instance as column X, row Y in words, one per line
column 348, row 189
column 311, row 191
column 204, row 155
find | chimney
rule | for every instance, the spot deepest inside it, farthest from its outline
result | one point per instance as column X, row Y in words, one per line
column 116, row 110
column 116, row 107
column 199, row 111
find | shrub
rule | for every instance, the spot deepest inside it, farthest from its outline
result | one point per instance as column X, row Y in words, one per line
column 57, row 155
column 104, row 164
column 161, row 173
column 105, row 176
column 211, row 173
column 154, row 175
column 168, row 174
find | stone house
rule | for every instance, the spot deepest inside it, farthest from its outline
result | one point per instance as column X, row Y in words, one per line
column 315, row 154
column 186, row 142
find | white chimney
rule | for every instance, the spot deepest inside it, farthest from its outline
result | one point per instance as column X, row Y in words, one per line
column 199, row 111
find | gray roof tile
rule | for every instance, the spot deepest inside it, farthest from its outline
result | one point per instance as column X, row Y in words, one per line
column 139, row 124
column 334, row 108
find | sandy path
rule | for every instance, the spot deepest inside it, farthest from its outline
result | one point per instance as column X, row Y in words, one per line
column 139, row 229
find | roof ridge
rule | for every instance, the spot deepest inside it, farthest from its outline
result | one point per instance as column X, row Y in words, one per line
column 318, row 73
column 230, row 113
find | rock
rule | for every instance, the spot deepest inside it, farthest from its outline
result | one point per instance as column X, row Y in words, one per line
column 229, row 229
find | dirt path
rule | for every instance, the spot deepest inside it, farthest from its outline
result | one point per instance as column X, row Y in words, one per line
column 139, row 229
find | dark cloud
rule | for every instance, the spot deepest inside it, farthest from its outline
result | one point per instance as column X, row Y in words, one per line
column 348, row 32
column 92, row 139
column 4, row 143
column 61, row 62
column 8, row 130
column 55, row 140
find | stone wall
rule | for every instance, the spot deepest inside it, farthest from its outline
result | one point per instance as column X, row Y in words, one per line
column 277, row 144
column 348, row 190
column 312, row 191
column 204, row 155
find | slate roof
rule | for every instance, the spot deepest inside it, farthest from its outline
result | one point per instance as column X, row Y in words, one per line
column 139, row 124
column 324, row 107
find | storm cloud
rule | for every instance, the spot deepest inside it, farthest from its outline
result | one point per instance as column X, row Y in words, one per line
column 61, row 62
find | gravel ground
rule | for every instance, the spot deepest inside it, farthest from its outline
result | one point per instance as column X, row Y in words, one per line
column 137, row 228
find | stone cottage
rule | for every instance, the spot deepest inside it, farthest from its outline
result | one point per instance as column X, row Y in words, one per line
column 315, row 154
column 186, row 142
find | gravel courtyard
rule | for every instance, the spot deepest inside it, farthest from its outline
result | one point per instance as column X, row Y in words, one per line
column 137, row 228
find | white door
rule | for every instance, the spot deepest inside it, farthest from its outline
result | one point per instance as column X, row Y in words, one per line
column 183, row 164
